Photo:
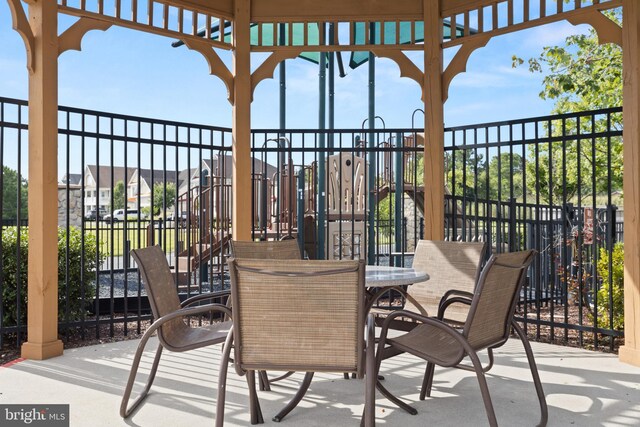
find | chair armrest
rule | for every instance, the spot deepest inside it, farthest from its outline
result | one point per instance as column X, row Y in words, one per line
column 428, row 321
column 201, row 297
column 456, row 292
column 189, row 311
column 453, row 296
column 415, row 316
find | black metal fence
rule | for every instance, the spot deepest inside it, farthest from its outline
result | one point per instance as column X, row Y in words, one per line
column 549, row 183
column 129, row 182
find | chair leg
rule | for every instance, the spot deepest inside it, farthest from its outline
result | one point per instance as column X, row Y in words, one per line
column 124, row 411
column 263, row 381
column 534, row 373
column 386, row 393
column 254, row 403
column 222, row 379
column 490, row 365
column 296, row 399
column 427, row 381
column 484, row 389
column 370, row 377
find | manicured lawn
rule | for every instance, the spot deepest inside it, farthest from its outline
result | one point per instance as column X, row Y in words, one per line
column 112, row 238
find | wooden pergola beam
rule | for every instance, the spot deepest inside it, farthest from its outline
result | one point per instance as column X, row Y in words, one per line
column 630, row 352
column 241, row 178
column 42, row 337
column 433, row 173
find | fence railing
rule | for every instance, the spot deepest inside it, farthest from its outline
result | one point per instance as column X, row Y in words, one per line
column 342, row 193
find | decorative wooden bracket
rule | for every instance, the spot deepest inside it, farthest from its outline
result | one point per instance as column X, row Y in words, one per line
column 459, row 62
column 71, row 39
column 216, row 66
column 407, row 68
column 21, row 25
column 608, row 31
column 268, row 67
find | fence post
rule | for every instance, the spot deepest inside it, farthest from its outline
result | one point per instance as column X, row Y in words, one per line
column 300, row 210
column 127, row 248
column 512, row 225
column 611, row 224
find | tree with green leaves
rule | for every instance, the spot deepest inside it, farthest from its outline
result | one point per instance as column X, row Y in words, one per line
column 581, row 75
column 119, row 196
column 462, row 167
column 160, row 190
column 505, row 176
column 10, row 186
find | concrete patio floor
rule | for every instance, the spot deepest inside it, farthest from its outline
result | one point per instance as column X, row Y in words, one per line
column 583, row 389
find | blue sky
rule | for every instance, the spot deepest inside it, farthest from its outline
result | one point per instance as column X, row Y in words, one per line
column 129, row 72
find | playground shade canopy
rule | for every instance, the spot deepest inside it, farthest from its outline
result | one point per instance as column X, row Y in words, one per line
column 268, row 34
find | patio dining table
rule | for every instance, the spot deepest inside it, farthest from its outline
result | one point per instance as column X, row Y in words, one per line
column 380, row 279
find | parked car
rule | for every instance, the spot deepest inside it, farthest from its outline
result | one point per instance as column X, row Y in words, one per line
column 181, row 218
column 95, row 214
column 120, row 215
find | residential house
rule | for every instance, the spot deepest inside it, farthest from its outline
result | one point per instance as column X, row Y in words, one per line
column 72, row 179
column 141, row 183
column 99, row 182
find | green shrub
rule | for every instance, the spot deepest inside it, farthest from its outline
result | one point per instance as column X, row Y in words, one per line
column 76, row 284
column 616, row 278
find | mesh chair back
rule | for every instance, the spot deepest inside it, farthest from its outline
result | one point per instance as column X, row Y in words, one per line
column 161, row 290
column 489, row 321
column 451, row 265
column 298, row 315
column 283, row 249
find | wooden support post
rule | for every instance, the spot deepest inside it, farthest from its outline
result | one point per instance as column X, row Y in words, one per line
column 630, row 352
column 42, row 333
column 242, row 193
column 433, row 123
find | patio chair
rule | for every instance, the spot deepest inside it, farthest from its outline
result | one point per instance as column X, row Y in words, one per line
column 276, row 249
column 488, row 326
column 451, row 265
column 304, row 316
column 170, row 315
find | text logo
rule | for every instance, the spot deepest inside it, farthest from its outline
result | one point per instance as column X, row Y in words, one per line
column 34, row 415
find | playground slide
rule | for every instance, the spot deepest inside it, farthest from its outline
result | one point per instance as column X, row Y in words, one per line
column 190, row 260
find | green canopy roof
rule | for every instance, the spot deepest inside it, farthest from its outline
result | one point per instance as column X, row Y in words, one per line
column 404, row 33
column 263, row 35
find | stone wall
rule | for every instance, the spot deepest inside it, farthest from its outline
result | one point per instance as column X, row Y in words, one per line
column 75, row 205
column 412, row 223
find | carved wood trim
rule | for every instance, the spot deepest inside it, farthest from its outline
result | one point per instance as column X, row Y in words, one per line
column 407, row 67
column 216, row 66
column 268, row 67
column 608, row 31
column 459, row 63
column 71, row 39
column 22, row 27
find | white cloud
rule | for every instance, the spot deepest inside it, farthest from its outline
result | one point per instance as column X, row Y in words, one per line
column 552, row 34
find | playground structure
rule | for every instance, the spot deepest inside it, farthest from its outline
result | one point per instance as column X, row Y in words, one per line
column 330, row 220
